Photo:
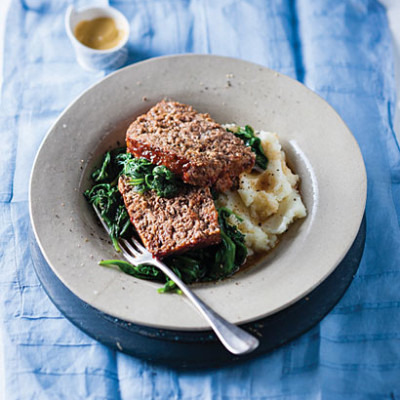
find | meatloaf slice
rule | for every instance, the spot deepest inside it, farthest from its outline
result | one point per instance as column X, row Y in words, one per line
column 173, row 225
column 190, row 144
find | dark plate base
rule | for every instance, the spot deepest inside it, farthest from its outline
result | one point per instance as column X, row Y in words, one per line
column 191, row 349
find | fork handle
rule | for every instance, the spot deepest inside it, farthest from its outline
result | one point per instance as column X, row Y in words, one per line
column 235, row 339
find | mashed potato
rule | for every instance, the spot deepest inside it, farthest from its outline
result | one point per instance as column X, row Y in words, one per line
column 268, row 202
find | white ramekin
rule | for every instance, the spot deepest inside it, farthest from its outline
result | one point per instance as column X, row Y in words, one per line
column 92, row 59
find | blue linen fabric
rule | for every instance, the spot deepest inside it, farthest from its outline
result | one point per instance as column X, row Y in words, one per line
column 342, row 50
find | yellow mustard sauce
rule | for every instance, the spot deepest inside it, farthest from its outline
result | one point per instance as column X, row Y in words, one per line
column 99, row 33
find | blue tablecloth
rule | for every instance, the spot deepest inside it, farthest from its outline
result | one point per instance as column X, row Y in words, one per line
column 342, row 50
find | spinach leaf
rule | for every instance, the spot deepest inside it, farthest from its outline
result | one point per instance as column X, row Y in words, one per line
column 106, row 197
column 188, row 266
column 234, row 234
column 144, row 176
column 142, row 271
column 232, row 252
column 249, row 139
column 109, row 169
column 101, row 173
column 164, row 182
column 112, row 210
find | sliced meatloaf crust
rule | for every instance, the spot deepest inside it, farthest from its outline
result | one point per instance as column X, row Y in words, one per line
column 190, row 144
column 174, row 225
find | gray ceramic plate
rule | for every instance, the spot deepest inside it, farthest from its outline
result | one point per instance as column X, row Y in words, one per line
column 320, row 148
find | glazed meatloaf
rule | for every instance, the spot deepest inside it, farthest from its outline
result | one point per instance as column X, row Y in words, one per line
column 190, row 144
column 172, row 225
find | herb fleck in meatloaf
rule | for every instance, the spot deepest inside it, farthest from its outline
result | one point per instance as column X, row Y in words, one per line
column 173, row 225
column 190, row 144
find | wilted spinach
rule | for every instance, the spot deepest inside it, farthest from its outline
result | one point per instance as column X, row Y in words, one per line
column 144, row 176
column 249, row 139
column 209, row 264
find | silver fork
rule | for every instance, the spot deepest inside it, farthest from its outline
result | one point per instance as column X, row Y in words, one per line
column 235, row 339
